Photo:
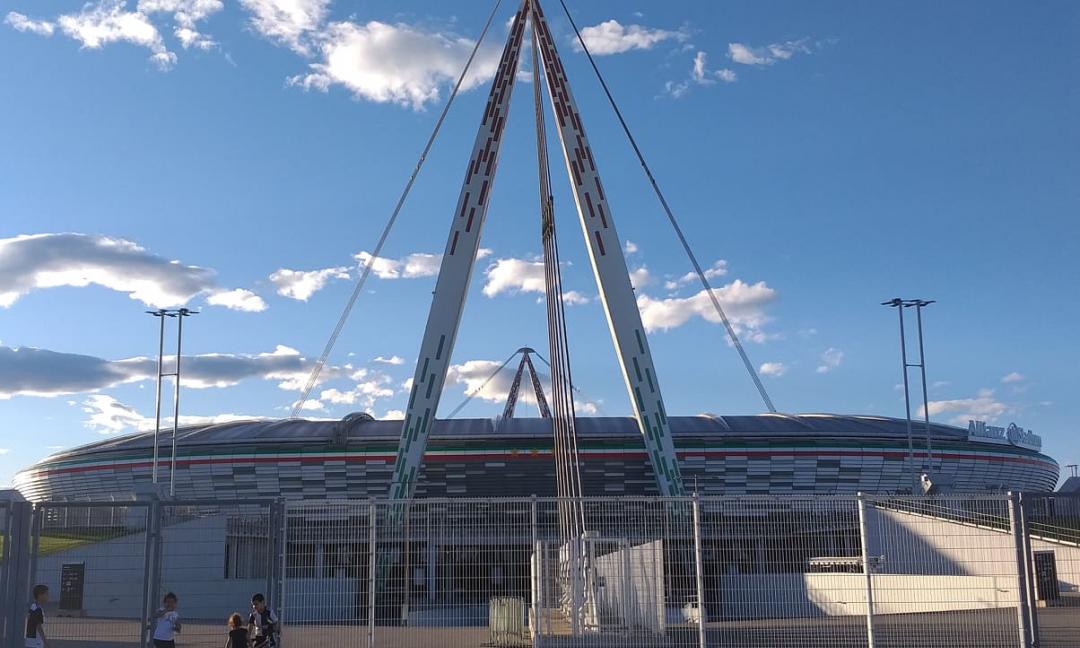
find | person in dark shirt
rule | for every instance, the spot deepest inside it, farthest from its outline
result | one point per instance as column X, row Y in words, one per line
column 35, row 618
column 262, row 624
column 238, row 634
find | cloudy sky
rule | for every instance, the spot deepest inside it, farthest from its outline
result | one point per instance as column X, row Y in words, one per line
column 240, row 157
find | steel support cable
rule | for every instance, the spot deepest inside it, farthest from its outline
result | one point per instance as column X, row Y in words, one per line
column 573, row 388
column 674, row 223
column 321, row 362
column 470, row 396
column 567, row 458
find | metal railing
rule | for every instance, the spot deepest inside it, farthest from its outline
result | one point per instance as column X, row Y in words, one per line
column 809, row 571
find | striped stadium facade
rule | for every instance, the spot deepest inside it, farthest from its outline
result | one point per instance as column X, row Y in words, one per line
column 353, row 458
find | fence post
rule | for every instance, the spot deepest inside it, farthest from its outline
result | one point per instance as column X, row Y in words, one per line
column 149, row 593
column 1029, row 569
column 1022, row 613
column 536, row 579
column 16, row 586
column 278, row 554
column 35, row 543
column 699, row 574
column 867, row 572
column 371, row 573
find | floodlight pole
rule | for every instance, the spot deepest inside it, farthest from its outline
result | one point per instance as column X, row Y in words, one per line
column 918, row 304
column 160, row 314
column 898, row 304
column 180, row 315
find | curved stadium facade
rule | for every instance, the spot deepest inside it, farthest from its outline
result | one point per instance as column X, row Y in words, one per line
column 354, row 457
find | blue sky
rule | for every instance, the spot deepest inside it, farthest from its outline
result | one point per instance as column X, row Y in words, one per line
column 822, row 158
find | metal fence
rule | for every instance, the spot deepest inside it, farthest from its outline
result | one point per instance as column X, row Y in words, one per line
column 809, row 571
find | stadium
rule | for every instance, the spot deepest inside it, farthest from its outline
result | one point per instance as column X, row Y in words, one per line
column 770, row 454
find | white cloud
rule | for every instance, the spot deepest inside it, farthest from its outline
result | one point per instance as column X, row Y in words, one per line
column 302, row 284
column 31, row 262
column 288, row 22
column 25, row 24
column 107, row 415
column 640, row 277
column 393, row 415
column 773, row 368
column 473, row 373
column 574, row 298
column 767, row 55
column 1012, row 377
column 370, row 388
column 698, row 73
column 630, row 247
column 718, row 269
column 742, row 302
column 392, row 360
column 29, row 371
column 611, row 37
column 108, row 21
column 399, row 63
column 983, row 407
column 237, row 299
column 831, row 358
column 676, row 89
column 513, row 276
column 418, row 264
column 186, row 15
column 701, row 74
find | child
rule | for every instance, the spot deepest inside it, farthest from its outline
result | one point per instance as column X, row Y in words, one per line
column 262, row 624
column 35, row 618
column 168, row 623
column 238, row 634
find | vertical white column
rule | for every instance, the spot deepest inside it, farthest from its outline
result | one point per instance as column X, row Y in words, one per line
column 699, row 573
column 867, row 571
column 455, row 270
column 1023, row 622
column 371, row 574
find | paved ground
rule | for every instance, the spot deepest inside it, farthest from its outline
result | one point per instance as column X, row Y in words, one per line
column 1060, row 628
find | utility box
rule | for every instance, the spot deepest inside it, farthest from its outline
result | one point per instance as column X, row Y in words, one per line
column 506, row 621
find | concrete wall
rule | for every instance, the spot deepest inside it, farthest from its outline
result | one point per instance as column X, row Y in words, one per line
column 632, row 591
column 193, row 566
column 779, row 596
column 917, row 544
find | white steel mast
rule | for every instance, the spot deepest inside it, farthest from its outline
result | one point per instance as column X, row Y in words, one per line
column 605, row 253
column 456, row 270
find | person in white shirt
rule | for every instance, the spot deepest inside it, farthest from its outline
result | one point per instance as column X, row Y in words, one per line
column 166, row 623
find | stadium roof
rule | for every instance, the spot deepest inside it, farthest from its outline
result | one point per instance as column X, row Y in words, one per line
column 358, row 427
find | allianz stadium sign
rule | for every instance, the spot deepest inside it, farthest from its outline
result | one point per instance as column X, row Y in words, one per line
column 1011, row 435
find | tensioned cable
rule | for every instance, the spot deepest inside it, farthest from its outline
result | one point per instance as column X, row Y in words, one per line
column 674, row 223
column 317, row 369
column 469, row 397
column 572, row 387
column 564, row 426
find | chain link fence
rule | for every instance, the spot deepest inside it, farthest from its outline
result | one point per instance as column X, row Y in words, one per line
column 867, row 571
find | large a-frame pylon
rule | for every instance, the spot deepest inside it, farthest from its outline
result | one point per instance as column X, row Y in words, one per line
column 605, row 253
